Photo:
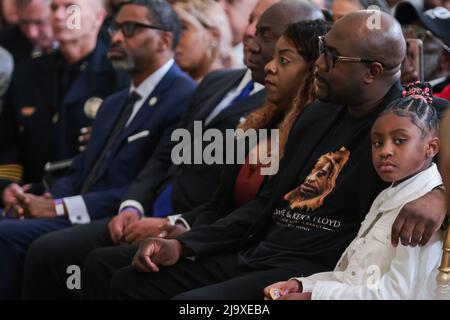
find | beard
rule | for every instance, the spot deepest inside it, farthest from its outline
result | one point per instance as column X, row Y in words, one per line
column 123, row 61
column 126, row 64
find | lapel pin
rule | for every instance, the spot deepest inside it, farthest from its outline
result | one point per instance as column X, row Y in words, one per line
column 153, row 101
column 83, row 66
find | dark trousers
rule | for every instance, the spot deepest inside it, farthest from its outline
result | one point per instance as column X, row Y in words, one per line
column 48, row 260
column 15, row 238
column 217, row 278
column 101, row 265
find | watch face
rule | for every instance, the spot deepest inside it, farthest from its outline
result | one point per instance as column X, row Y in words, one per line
column 59, row 208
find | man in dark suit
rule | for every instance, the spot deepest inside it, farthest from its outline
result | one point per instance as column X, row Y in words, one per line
column 52, row 97
column 272, row 239
column 33, row 35
column 131, row 125
column 191, row 185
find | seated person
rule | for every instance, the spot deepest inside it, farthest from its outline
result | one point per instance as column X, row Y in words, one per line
column 53, row 96
column 290, row 89
column 205, row 43
column 130, row 127
column 288, row 94
column 267, row 238
column 33, row 35
column 404, row 142
column 189, row 179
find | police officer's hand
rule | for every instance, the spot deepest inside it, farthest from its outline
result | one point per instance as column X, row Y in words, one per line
column 139, row 230
column 118, row 224
column 419, row 219
column 283, row 288
column 154, row 252
column 84, row 138
column 31, row 206
column 9, row 194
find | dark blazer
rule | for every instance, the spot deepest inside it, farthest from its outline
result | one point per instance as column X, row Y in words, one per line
column 193, row 184
column 34, row 127
column 148, row 132
column 249, row 223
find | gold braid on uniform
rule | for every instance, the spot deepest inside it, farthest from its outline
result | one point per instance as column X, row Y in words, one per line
column 11, row 172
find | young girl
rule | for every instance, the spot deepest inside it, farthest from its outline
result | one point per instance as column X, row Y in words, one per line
column 404, row 142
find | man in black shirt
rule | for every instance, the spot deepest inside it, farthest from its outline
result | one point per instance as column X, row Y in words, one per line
column 271, row 238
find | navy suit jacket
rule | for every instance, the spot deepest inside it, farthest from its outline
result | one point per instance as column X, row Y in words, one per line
column 193, row 184
column 149, row 130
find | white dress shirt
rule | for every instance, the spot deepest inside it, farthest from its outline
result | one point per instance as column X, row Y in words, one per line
column 232, row 94
column 371, row 268
column 226, row 101
column 76, row 207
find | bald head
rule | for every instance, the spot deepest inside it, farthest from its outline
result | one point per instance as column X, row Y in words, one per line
column 271, row 27
column 372, row 35
column 290, row 11
column 376, row 38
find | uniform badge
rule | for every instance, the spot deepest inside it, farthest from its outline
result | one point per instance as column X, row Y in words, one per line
column 27, row 111
column 92, row 106
column 153, row 101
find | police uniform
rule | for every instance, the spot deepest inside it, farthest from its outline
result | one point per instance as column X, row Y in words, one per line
column 47, row 104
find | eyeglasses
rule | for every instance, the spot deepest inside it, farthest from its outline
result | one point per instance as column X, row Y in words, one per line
column 128, row 28
column 331, row 58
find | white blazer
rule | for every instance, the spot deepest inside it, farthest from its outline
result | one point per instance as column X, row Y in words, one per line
column 371, row 268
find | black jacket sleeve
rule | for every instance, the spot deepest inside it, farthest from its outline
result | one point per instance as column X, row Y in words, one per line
column 232, row 231
column 158, row 168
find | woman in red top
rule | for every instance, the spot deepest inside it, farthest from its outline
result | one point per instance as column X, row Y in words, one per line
column 290, row 89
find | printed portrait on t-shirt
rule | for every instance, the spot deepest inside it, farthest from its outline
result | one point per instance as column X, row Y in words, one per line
column 320, row 182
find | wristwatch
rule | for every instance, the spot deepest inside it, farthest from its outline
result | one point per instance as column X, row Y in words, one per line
column 59, row 207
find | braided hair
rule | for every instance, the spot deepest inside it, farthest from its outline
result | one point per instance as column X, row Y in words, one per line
column 416, row 105
column 304, row 35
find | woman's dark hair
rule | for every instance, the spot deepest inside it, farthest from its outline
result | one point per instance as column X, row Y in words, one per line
column 416, row 105
column 304, row 36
